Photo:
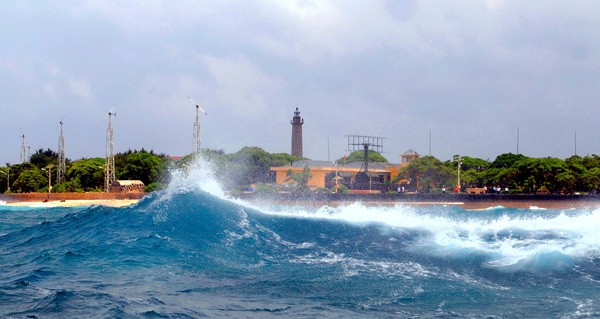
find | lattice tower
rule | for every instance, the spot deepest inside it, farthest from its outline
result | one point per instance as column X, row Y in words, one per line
column 23, row 150
column 62, row 164
column 197, row 140
column 109, row 168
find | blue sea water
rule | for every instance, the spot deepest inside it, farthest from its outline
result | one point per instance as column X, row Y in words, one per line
column 192, row 253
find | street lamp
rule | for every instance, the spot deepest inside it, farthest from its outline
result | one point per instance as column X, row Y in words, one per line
column 48, row 171
column 458, row 161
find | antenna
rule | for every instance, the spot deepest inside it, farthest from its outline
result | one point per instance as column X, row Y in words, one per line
column 23, row 149
column 429, row 142
column 109, row 168
column 518, row 133
column 575, row 142
column 197, row 140
column 358, row 142
column 328, row 154
column 362, row 180
column 62, row 167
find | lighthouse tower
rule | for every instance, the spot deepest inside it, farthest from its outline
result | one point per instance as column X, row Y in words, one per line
column 297, row 122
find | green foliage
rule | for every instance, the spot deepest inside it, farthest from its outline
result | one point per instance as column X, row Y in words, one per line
column 250, row 165
column 152, row 187
column 538, row 172
column 428, row 173
column 43, row 158
column 507, row 160
column 359, row 156
column 282, row 159
column 30, row 180
column 301, row 179
column 343, row 189
column 590, row 179
column 476, row 164
column 88, row 174
column 141, row 166
column 263, row 188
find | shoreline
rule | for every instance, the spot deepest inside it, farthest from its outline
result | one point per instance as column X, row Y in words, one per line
column 466, row 201
column 74, row 203
column 50, row 200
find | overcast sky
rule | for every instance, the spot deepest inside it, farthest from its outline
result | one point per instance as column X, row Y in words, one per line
column 472, row 72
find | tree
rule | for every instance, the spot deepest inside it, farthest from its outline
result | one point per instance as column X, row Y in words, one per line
column 301, row 179
column 534, row 173
column 142, row 166
column 43, row 158
column 428, row 173
column 89, row 173
column 250, row 165
column 590, row 179
column 359, row 156
column 507, row 160
column 29, row 180
column 282, row 159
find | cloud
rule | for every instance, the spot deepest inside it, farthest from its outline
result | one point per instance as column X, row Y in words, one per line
column 241, row 88
column 81, row 87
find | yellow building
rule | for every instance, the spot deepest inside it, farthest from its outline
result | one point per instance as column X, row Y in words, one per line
column 325, row 174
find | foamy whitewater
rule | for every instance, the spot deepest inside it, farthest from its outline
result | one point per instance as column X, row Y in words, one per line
column 190, row 252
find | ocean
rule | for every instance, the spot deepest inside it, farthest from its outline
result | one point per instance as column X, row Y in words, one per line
column 191, row 252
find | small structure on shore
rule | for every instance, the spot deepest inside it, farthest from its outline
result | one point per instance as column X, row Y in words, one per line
column 127, row 186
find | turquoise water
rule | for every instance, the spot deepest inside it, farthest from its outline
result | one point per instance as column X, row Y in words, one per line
column 189, row 252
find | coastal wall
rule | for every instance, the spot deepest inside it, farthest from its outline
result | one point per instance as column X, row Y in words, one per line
column 468, row 201
column 40, row 197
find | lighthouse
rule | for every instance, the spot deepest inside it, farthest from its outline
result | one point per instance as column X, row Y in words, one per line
column 297, row 122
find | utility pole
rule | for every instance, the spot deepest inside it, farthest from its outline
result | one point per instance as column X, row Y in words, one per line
column 458, row 161
column 109, row 168
column 197, row 140
column 23, row 149
column 48, row 170
column 60, row 172
column 429, row 142
column 518, row 135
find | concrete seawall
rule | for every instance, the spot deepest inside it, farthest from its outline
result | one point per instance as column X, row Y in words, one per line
column 40, row 197
column 468, row 201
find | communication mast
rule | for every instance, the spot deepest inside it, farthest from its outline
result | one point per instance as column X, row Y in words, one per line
column 362, row 181
column 109, row 168
column 24, row 158
column 60, row 172
column 361, row 142
column 197, row 140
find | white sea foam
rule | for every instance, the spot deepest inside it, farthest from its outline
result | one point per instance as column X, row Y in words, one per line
column 507, row 240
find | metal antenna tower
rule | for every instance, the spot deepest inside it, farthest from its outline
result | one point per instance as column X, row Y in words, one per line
column 109, row 168
column 197, row 140
column 62, row 167
column 362, row 180
column 358, row 142
column 23, row 150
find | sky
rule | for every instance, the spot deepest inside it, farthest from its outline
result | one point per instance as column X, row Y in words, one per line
column 471, row 72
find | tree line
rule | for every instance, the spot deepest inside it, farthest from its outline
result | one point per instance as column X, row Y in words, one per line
column 516, row 173
column 83, row 175
column 251, row 166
